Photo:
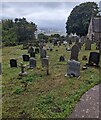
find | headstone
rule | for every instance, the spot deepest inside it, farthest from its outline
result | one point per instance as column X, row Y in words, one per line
column 25, row 57
column 45, row 62
column 94, row 58
column 32, row 54
column 0, row 69
column 88, row 44
column 73, row 68
column 32, row 63
column 61, row 59
column 79, row 44
column 31, row 50
column 13, row 63
column 42, row 53
column 74, row 52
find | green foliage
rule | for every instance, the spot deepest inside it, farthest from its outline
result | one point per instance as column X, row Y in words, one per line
column 18, row 90
column 18, row 31
column 80, row 16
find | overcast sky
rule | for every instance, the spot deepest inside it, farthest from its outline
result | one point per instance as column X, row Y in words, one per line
column 44, row 14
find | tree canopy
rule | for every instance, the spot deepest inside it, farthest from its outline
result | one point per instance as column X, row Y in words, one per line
column 18, row 31
column 79, row 18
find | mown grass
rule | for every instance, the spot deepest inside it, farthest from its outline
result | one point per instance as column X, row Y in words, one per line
column 38, row 95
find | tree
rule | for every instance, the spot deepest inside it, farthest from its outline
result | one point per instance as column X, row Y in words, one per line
column 79, row 18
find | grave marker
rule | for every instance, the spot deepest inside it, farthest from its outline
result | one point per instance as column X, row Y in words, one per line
column 13, row 63
column 73, row 68
column 25, row 57
column 32, row 63
column 74, row 52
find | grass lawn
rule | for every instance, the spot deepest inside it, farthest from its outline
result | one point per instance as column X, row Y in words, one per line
column 52, row 96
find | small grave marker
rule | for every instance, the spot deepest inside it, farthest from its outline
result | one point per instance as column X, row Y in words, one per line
column 25, row 57
column 32, row 63
column 13, row 63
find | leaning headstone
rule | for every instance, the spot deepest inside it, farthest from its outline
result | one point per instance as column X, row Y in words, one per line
column 88, row 44
column 74, row 52
column 61, row 59
column 25, row 57
column 0, row 69
column 13, row 63
column 32, row 63
column 94, row 59
column 73, row 68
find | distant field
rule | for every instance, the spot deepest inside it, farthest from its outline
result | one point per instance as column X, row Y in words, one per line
column 52, row 96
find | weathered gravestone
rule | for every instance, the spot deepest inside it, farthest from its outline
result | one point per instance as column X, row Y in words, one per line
column 42, row 53
column 74, row 52
column 61, row 59
column 94, row 59
column 0, row 69
column 13, row 63
column 32, row 63
column 79, row 44
column 73, row 68
column 45, row 63
column 25, row 57
column 88, row 44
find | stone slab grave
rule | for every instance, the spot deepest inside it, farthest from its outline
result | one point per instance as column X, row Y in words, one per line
column 13, row 63
column 94, row 59
column 88, row 44
column 32, row 63
column 61, row 59
column 74, row 52
column 73, row 68
column 45, row 63
column 25, row 57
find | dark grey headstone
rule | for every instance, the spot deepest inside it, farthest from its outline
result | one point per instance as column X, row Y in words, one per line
column 94, row 58
column 32, row 63
column 13, row 63
column 88, row 44
column 31, row 50
column 36, row 50
column 74, row 52
column 43, row 53
column 45, row 62
column 25, row 57
column 73, row 68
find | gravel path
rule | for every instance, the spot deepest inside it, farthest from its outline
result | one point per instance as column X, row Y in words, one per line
column 88, row 106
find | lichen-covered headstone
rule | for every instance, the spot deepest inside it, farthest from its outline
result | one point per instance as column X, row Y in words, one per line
column 73, row 68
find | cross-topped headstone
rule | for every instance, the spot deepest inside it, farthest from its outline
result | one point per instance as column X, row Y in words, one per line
column 74, row 52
